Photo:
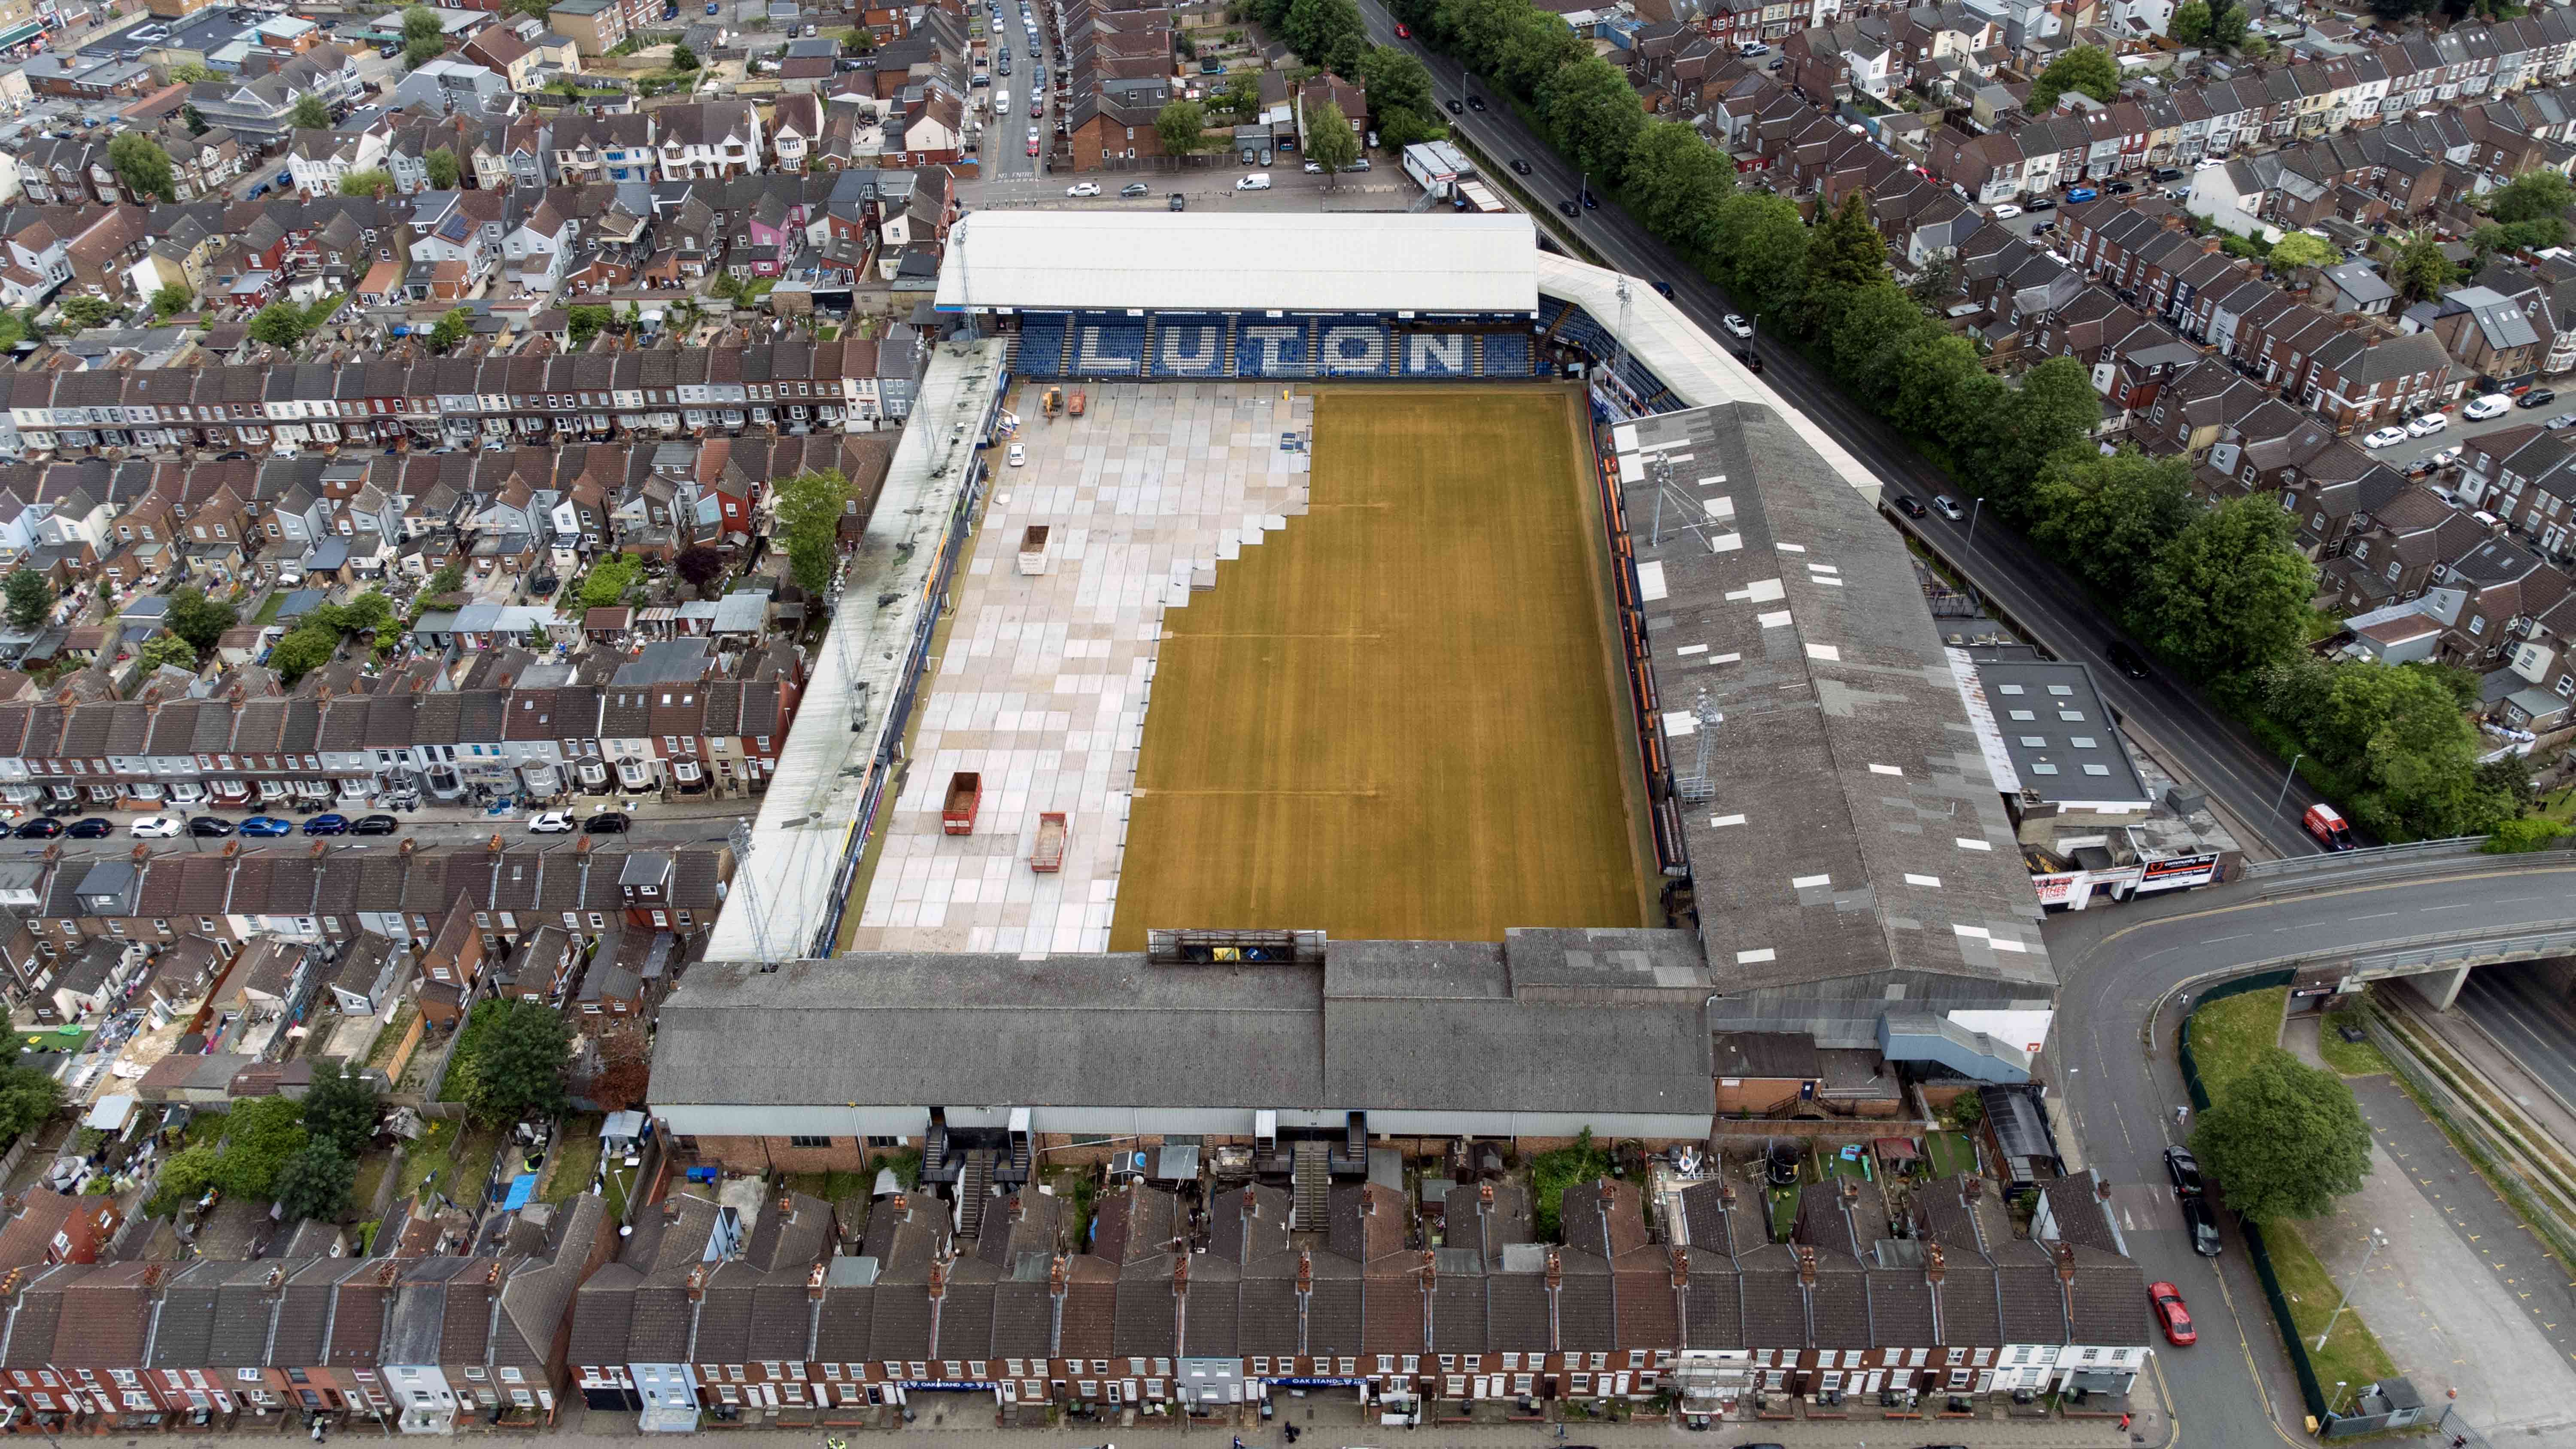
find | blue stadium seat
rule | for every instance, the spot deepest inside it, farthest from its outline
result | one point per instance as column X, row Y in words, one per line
column 1188, row 344
column 1509, row 354
column 1108, row 349
column 1435, row 354
column 1353, row 349
column 1273, row 347
column 1042, row 339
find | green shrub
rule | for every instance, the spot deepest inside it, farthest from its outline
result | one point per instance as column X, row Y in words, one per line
column 2528, row 833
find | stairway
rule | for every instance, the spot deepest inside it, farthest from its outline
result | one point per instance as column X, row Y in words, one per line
column 974, row 1191
column 1313, row 1174
column 1145, row 364
column 1475, row 354
column 1225, row 366
column 1010, row 352
column 1020, row 1165
column 1072, row 348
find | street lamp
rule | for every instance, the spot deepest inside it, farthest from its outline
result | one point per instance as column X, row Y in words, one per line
column 1974, row 509
column 2286, row 777
column 2377, row 1240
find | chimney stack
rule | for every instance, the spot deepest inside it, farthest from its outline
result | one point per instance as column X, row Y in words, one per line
column 1679, row 1260
column 939, row 1277
column 1935, row 1266
column 1851, row 1190
column 1555, row 1271
column 142, row 853
column 1430, row 1269
column 1609, row 1197
column 814, row 1283
column 316, row 853
column 2065, row 1262
column 1055, row 1278
column 1484, row 1194
column 1975, row 1188
column 1305, row 1272
column 1807, row 1264
column 1180, row 1275
column 698, row 1282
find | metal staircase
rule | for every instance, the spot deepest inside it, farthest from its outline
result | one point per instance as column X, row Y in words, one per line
column 1313, row 1175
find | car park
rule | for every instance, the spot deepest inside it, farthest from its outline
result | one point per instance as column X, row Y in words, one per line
column 1948, row 507
column 1736, row 326
column 209, row 827
column 2493, row 405
column 374, row 825
column 266, row 826
column 2385, row 438
column 2427, row 424
column 2171, row 1315
column 328, row 823
column 1908, row 504
column 43, row 827
column 552, row 822
column 155, row 827
column 94, row 827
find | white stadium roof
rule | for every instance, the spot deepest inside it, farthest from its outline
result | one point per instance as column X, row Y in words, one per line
column 1266, row 261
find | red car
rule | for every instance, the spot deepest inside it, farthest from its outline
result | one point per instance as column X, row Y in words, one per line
column 1402, row 31
column 2175, row 1317
column 1033, row 148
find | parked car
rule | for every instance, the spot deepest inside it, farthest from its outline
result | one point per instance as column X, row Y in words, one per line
column 2538, row 397
column 1314, row 168
column 1019, row 454
column 92, row 827
column 2425, row 425
column 2175, row 1319
column 1083, row 188
column 608, row 822
column 1178, row 202
column 552, row 822
column 328, row 823
column 2388, row 437
column 209, row 827
column 262, row 826
column 2443, row 459
column 2184, row 1169
column 374, row 825
column 1736, row 326
column 2560, row 421
column 2080, row 195
column 1909, row 505
column 1133, row 189
column 43, row 827
column 2493, row 405
column 155, row 827
column 2040, row 203
column 1948, row 507
column 2202, row 1224
column 2007, row 212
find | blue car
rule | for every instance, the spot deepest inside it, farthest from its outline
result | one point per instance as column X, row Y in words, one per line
column 2081, row 194
column 266, row 825
column 331, row 824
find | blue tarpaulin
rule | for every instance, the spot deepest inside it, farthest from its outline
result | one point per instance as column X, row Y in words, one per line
column 522, row 1188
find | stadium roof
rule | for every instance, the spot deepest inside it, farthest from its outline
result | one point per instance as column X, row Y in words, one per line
column 1243, row 262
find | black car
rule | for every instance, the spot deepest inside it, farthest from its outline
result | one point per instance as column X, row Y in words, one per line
column 1520, row 167
column 1664, row 287
column 2121, row 188
column 2202, row 1224
column 374, row 825
column 1909, row 505
column 209, row 826
column 1475, row 103
column 2536, row 398
column 93, row 827
column 234, row 456
column 1455, row 109
column 2184, row 1169
column 43, row 827
column 2126, row 660
column 1590, row 201
column 2040, row 203
column 613, row 822
column 1569, row 208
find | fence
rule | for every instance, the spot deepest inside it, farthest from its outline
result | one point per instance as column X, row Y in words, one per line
column 2345, row 860
column 2255, row 1248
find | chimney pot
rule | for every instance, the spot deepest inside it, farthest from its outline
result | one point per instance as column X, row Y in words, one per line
column 1935, row 1265
column 1807, row 1264
column 1055, row 1276
column 814, row 1282
column 1306, row 1271
column 1555, row 1270
column 142, row 853
column 1485, row 1194
column 2066, row 1262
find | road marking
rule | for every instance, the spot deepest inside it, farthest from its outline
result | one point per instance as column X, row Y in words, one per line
column 2375, row 915
column 2462, row 906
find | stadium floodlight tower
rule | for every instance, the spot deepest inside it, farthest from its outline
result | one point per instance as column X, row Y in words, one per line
column 1694, row 787
column 965, row 288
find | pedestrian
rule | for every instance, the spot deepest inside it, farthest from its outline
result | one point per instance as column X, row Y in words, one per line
column 2182, row 1114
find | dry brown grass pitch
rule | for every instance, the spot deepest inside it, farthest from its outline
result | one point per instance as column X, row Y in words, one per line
column 1396, row 720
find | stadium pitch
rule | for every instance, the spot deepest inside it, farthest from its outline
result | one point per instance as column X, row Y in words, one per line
column 1399, row 718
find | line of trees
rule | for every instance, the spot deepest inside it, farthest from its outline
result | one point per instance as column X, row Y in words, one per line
column 2221, row 592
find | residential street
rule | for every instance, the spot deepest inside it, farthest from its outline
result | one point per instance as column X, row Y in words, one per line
column 2216, row 753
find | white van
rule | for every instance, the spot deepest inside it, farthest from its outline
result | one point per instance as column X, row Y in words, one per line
column 1001, row 100
column 1257, row 181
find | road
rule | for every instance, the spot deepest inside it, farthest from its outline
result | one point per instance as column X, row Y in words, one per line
column 1006, row 140
column 1382, row 188
column 654, row 824
column 2118, row 966
column 2214, row 752
column 2527, row 1017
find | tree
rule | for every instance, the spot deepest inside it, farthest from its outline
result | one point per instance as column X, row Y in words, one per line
column 2190, row 23
column 1182, row 127
column 2285, row 1139
column 2533, row 196
column 27, row 1099
column 1877, row 324
column 1330, row 141
column 184, row 1179
column 1594, row 112
column 518, row 1070
column 586, row 321
column 1846, row 256
column 858, row 42
column 2298, row 249
column 451, row 329
column 310, row 114
column 302, row 651
column 701, row 566
column 315, row 1182
column 195, row 119
column 2111, row 517
column 30, row 597
column 1937, row 282
column 142, row 165
column 167, row 648
column 170, row 301
column 86, row 311
column 2231, row 591
column 1326, row 33
column 683, row 58
column 447, row 580
column 280, row 324
column 809, row 508
column 420, row 22
column 2421, row 271
column 1942, row 391
column 419, row 53
column 608, row 581
column 2054, row 408
column 1676, row 182
column 625, row 1076
column 1760, row 243
column 340, row 1108
column 189, row 73
column 200, row 620
column 1393, row 78
column 442, row 167
column 1535, row 46
column 2086, row 68
column 374, row 181
column 259, row 1136
column 2227, row 26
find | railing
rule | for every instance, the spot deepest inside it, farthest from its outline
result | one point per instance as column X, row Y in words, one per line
column 2344, row 860
column 2559, row 940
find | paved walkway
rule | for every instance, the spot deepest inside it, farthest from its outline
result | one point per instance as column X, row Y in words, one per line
column 2462, row 1297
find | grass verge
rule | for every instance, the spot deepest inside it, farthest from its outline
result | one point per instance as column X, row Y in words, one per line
column 2352, row 1354
column 2227, row 1035
column 2352, row 1058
